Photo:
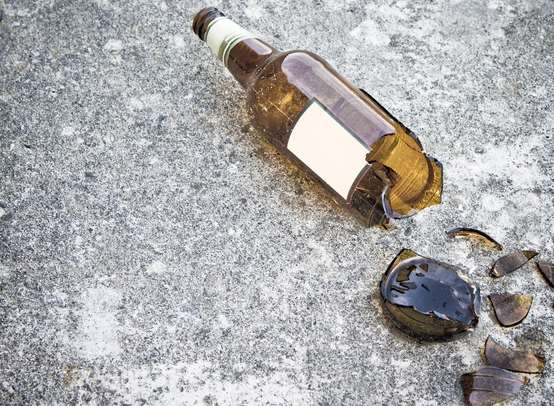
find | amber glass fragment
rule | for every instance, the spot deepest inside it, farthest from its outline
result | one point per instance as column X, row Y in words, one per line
column 480, row 237
column 510, row 309
column 547, row 270
column 490, row 385
column 428, row 299
column 511, row 262
column 392, row 178
column 513, row 360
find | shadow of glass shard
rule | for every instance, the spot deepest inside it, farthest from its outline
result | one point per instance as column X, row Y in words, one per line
column 428, row 299
column 513, row 360
column 511, row 262
column 490, row 385
column 510, row 309
column 481, row 238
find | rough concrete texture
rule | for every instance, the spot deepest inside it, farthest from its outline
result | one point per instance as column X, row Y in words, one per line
column 156, row 250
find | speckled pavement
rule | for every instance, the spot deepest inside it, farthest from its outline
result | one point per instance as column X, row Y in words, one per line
column 154, row 249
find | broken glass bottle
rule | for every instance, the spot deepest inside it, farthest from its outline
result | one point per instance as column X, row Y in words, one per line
column 338, row 134
column 428, row 299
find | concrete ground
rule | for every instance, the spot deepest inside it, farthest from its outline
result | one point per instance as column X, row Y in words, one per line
column 154, row 249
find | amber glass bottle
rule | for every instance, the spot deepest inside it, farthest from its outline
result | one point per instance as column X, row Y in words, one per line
column 337, row 133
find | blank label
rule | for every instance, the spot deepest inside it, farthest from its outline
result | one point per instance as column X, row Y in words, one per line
column 327, row 148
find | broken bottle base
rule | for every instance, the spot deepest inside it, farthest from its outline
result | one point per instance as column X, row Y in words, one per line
column 428, row 299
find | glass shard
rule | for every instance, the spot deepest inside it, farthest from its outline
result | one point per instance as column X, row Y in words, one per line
column 413, row 179
column 510, row 309
column 366, row 198
column 513, row 360
column 511, row 262
column 428, row 299
column 547, row 270
column 478, row 236
column 490, row 385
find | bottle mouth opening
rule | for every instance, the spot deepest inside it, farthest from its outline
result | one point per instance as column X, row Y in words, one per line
column 202, row 20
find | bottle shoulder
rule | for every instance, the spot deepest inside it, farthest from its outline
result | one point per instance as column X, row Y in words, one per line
column 293, row 66
column 297, row 57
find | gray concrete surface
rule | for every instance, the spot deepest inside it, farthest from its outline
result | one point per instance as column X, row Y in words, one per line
column 155, row 250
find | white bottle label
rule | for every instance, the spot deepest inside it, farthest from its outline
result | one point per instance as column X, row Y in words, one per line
column 326, row 147
column 223, row 34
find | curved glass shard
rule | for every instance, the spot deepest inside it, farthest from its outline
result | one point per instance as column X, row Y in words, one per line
column 490, row 385
column 478, row 236
column 513, row 360
column 510, row 309
column 547, row 270
column 511, row 262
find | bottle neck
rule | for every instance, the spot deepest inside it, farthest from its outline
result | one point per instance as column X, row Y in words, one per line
column 241, row 52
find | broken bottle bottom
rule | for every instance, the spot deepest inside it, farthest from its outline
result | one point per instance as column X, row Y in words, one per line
column 429, row 299
column 400, row 180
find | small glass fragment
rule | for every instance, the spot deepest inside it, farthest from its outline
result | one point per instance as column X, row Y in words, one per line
column 490, row 385
column 478, row 236
column 513, row 360
column 510, row 309
column 511, row 262
column 547, row 270
column 428, row 299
